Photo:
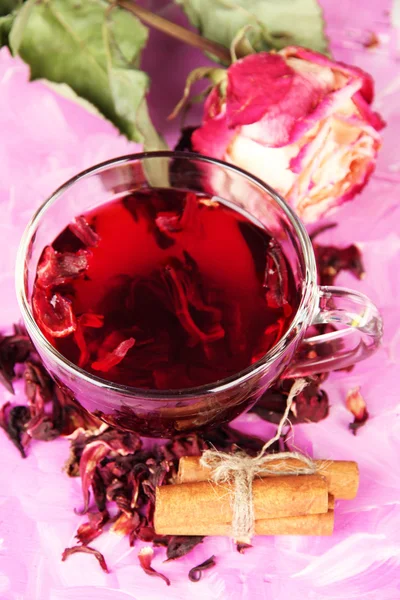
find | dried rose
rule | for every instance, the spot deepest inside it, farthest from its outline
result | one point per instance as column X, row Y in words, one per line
column 299, row 121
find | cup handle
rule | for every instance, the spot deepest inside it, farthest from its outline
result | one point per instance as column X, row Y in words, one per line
column 359, row 333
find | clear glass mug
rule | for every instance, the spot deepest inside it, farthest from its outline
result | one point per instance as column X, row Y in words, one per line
column 162, row 413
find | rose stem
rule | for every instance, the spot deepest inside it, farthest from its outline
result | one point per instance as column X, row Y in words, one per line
column 176, row 31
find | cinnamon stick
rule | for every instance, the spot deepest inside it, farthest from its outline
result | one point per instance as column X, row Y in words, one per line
column 342, row 476
column 321, row 524
column 204, row 508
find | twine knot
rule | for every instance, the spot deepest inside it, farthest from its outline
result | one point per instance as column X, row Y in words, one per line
column 240, row 468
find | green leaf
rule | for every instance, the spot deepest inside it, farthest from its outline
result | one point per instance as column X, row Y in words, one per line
column 274, row 23
column 156, row 169
column 91, row 46
column 8, row 6
column 8, row 13
column 19, row 25
column 6, row 23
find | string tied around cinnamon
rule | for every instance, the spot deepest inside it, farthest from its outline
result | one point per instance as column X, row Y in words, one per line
column 240, row 468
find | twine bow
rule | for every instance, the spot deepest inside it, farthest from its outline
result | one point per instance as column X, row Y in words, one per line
column 242, row 468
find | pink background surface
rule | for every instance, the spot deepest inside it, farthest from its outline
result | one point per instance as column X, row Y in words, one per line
column 45, row 140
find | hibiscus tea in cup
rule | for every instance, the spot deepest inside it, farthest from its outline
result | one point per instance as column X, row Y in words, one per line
column 164, row 289
column 165, row 292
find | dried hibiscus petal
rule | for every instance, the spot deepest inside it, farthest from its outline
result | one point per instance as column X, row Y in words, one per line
column 276, row 279
column 180, row 545
column 126, row 524
column 91, row 456
column 99, row 490
column 196, row 573
column 93, row 528
column 43, row 428
column 86, row 550
column 123, row 442
column 14, row 421
column 90, row 320
column 331, row 261
column 145, row 557
column 38, row 386
column 169, row 222
column 53, row 313
column 356, row 404
column 310, row 406
column 183, row 293
column 84, row 232
column 145, row 533
column 73, row 416
column 58, row 268
column 14, row 349
column 111, row 359
column 241, row 547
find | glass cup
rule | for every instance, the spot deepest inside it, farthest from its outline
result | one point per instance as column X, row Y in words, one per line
column 162, row 413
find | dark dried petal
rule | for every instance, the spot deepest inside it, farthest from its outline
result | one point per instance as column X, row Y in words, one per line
column 310, row 406
column 38, row 386
column 356, row 404
column 42, row 428
column 331, row 261
column 86, row 550
column 178, row 287
column 179, row 545
column 84, row 232
column 229, row 439
column 14, row 349
column 73, row 415
column 161, row 540
column 78, row 442
column 185, row 141
column 99, row 490
column 124, row 442
column 189, row 444
column 241, row 547
column 15, row 426
column 196, row 573
column 145, row 557
column 122, row 501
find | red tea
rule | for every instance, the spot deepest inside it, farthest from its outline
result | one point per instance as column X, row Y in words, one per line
column 164, row 289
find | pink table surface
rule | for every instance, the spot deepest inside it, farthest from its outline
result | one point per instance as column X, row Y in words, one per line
column 46, row 139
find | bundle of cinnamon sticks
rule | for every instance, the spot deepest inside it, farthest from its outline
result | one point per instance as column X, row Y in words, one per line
column 283, row 504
